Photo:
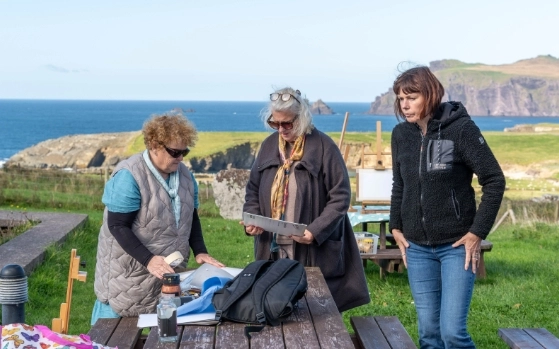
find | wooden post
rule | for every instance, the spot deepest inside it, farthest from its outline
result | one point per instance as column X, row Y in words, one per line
column 343, row 130
column 106, row 174
column 556, row 211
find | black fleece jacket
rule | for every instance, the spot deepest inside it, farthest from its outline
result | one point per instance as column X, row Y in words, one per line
column 433, row 201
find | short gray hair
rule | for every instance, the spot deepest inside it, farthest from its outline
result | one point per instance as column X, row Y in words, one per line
column 300, row 109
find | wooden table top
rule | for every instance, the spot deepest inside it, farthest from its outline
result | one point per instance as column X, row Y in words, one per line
column 316, row 323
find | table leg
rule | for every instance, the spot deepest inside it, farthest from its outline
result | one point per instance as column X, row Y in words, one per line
column 382, row 237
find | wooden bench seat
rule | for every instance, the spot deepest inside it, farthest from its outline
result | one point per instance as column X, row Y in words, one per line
column 380, row 332
column 528, row 338
column 390, row 259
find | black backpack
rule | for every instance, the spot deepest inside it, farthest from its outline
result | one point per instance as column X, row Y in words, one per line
column 265, row 292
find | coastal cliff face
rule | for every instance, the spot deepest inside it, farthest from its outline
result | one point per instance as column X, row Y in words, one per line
column 525, row 88
column 105, row 150
column 97, row 151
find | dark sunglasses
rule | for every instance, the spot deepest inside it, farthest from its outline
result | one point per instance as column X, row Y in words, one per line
column 287, row 125
column 176, row 153
column 284, row 96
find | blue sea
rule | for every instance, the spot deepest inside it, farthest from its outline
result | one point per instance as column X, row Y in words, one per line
column 24, row 123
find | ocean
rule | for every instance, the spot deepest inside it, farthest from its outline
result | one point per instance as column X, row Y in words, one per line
column 24, row 123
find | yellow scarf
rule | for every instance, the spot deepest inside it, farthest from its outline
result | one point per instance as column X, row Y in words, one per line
column 281, row 181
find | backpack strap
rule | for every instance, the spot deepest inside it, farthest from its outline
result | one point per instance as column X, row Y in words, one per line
column 246, row 278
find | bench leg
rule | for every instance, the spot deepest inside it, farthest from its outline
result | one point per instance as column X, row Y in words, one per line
column 481, row 274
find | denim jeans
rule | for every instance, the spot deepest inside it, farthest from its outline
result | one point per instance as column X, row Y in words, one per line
column 442, row 292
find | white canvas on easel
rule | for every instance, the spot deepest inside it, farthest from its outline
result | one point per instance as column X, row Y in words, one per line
column 373, row 186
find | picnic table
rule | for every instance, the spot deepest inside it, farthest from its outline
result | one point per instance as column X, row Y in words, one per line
column 316, row 323
column 388, row 257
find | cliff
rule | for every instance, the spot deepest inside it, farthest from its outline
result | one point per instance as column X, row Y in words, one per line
column 528, row 87
column 81, row 152
column 96, row 151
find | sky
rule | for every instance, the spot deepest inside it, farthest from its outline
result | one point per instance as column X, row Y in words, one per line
column 241, row 50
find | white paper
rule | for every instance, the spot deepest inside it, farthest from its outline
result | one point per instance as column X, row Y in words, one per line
column 274, row 225
column 150, row 320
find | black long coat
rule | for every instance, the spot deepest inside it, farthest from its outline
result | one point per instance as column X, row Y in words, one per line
column 323, row 198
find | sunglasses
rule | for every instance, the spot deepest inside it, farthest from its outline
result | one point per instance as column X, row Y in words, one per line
column 284, row 96
column 287, row 125
column 176, row 153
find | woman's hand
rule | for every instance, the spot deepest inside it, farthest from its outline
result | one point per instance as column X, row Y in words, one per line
column 251, row 229
column 472, row 243
column 206, row 258
column 305, row 239
column 402, row 244
column 157, row 267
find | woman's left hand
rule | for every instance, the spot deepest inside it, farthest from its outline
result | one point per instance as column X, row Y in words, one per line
column 472, row 243
column 305, row 239
column 206, row 258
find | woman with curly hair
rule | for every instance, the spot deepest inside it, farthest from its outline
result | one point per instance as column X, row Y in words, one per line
column 151, row 204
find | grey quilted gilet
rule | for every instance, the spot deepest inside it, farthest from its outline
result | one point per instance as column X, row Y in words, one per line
column 122, row 281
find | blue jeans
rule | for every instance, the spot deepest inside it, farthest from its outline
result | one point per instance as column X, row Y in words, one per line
column 442, row 292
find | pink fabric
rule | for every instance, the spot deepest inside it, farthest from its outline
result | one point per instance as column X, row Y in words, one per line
column 22, row 336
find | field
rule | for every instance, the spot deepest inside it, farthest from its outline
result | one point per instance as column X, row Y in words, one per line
column 523, row 268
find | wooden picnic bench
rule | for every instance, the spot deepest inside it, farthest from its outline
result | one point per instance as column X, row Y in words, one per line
column 390, row 259
column 528, row 338
column 380, row 332
column 316, row 323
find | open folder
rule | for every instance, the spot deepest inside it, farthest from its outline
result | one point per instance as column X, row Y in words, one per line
column 274, row 225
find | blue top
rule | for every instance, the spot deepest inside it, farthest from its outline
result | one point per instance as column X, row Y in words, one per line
column 122, row 193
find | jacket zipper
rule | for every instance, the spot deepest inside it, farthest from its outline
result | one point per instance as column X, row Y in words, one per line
column 420, row 189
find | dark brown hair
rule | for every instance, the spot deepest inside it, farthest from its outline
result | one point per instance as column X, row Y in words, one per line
column 419, row 80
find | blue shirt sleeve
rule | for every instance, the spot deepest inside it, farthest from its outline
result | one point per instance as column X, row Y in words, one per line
column 122, row 193
column 196, row 202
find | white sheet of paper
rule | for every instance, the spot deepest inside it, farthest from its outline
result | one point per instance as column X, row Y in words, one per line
column 274, row 225
column 150, row 320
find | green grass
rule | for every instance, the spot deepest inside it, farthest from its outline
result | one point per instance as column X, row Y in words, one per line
column 520, row 290
column 211, row 142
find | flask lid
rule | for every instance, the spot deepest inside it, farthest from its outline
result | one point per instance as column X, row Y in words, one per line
column 171, row 279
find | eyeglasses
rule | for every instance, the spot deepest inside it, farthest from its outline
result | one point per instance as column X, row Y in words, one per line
column 176, row 153
column 287, row 125
column 284, row 96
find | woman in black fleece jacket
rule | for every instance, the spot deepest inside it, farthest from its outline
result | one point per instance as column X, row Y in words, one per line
column 433, row 214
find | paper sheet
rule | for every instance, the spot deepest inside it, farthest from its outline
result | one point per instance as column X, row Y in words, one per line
column 150, row 320
column 274, row 225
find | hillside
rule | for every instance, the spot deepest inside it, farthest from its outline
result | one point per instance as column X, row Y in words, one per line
column 528, row 87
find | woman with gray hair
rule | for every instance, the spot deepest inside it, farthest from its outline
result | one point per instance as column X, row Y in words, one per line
column 300, row 176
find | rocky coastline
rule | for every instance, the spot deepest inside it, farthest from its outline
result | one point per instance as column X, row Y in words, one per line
column 92, row 153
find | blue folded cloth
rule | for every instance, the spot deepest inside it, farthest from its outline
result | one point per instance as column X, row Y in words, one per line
column 203, row 304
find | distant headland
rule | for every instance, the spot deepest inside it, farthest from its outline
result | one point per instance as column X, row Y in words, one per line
column 529, row 87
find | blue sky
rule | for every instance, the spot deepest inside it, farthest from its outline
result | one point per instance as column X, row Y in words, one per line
column 339, row 51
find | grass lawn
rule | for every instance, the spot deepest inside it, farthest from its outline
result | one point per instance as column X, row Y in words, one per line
column 520, row 290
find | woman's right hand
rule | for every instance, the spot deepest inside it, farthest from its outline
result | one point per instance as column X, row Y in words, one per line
column 402, row 244
column 157, row 267
column 251, row 229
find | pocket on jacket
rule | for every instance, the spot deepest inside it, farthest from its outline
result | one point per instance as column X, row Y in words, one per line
column 330, row 259
column 455, row 204
column 440, row 155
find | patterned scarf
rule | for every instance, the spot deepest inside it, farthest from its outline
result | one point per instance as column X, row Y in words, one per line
column 172, row 188
column 281, row 181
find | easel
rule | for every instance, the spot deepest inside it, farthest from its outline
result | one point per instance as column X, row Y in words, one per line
column 379, row 166
column 60, row 324
column 345, row 152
